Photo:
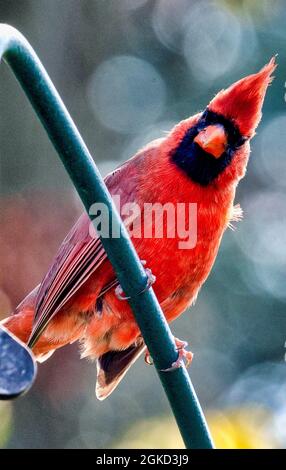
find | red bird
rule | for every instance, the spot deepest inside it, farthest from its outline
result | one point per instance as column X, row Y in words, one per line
column 200, row 161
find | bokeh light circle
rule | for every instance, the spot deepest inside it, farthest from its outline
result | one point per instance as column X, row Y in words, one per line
column 263, row 241
column 126, row 93
column 270, row 160
column 212, row 41
column 168, row 21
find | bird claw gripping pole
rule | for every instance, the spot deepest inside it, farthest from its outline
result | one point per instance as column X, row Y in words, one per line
column 17, row 52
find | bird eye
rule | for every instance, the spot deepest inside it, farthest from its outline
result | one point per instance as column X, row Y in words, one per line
column 212, row 139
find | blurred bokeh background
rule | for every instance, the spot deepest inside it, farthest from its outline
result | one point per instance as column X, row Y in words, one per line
column 127, row 71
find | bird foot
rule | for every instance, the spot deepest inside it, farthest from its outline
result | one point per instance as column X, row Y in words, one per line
column 151, row 278
column 119, row 293
column 148, row 359
column 183, row 354
column 150, row 281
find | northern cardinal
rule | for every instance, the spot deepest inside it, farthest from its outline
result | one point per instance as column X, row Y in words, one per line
column 200, row 161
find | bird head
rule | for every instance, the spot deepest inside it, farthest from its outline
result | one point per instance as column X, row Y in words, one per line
column 214, row 144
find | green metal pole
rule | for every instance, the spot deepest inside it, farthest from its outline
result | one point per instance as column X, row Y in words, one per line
column 18, row 53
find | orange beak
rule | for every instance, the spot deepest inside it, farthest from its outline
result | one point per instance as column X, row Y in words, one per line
column 212, row 139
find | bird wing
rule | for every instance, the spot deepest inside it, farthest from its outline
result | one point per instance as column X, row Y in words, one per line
column 80, row 254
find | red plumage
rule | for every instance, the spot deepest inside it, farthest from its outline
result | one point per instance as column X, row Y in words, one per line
column 77, row 300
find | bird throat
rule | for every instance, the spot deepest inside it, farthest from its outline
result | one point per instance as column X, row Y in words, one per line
column 200, row 165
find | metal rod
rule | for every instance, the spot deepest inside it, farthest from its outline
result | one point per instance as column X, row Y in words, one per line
column 31, row 74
